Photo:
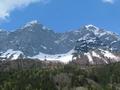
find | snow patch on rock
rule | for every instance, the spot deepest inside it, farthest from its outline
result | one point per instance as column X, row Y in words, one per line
column 89, row 57
column 11, row 54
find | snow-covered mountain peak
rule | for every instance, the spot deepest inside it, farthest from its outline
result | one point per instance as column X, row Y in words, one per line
column 91, row 27
column 100, row 32
column 35, row 37
column 34, row 25
column 31, row 23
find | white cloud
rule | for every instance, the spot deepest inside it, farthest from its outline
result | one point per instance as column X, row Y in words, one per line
column 7, row 6
column 109, row 1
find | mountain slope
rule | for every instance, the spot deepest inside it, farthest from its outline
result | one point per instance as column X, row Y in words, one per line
column 36, row 40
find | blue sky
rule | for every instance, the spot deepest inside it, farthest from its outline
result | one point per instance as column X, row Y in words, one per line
column 61, row 15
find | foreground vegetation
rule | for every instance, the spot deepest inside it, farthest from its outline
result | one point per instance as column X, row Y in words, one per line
column 66, row 77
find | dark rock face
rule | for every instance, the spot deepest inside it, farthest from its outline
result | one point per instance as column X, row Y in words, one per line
column 34, row 38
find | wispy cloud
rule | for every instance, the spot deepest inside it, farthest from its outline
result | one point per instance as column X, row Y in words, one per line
column 109, row 1
column 7, row 6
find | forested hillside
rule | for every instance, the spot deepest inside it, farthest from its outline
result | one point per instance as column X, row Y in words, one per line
column 63, row 77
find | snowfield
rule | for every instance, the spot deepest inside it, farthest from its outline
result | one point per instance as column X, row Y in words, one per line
column 64, row 58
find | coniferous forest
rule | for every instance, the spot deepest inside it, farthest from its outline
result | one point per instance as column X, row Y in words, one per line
column 60, row 77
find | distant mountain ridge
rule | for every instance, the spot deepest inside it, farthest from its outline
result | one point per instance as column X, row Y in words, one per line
column 35, row 38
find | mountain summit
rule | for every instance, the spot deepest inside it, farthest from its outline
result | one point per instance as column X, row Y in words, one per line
column 34, row 38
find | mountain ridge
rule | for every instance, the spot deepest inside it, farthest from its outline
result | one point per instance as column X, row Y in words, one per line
column 35, row 38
